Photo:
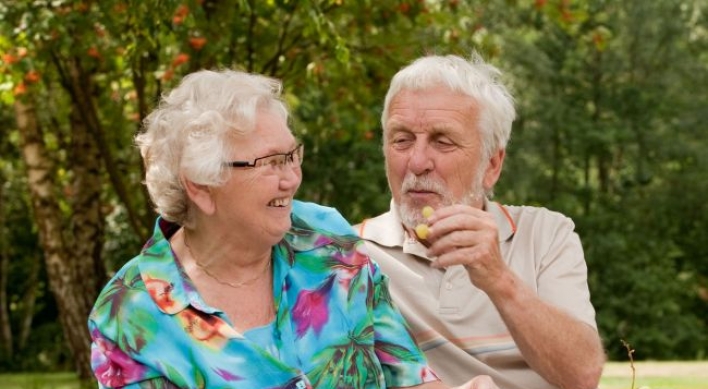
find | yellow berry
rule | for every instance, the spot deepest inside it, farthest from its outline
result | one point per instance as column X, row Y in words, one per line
column 427, row 211
column 421, row 230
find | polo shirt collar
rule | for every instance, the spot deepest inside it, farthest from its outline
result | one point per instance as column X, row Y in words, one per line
column 505, row 223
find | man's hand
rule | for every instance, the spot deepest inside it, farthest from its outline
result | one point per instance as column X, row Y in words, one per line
column 465, row 235
column 562, row 349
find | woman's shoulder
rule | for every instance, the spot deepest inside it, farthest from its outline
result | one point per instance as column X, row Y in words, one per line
column 308, row 215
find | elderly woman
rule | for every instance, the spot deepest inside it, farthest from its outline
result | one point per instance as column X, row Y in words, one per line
column 241, row 286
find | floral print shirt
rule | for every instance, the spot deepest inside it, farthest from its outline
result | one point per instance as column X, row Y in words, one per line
column 335, row 325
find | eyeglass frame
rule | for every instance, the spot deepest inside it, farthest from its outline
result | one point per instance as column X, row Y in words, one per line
column 289, row 157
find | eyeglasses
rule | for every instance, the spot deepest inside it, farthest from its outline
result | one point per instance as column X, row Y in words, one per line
column 275, row 160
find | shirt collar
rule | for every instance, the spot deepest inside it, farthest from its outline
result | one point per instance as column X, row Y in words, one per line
column 163, row 275
column 505, row 223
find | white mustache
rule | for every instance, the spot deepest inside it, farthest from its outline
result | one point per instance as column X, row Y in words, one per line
column 422, row 183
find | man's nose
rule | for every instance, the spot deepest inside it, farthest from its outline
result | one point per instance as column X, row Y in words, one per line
column 421, row 159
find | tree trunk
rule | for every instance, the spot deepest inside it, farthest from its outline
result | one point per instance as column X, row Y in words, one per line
column 72, row 301
column 5, row 329
column 87, row 219
column 78, row 83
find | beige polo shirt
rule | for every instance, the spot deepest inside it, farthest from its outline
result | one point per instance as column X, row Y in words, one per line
column 455, row 323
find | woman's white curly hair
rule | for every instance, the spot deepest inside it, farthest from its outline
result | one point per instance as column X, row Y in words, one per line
column 187, row 136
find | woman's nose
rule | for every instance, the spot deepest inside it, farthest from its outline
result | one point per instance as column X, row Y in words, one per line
column 291, row 175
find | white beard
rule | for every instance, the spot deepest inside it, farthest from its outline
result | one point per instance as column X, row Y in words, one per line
column 411, row 214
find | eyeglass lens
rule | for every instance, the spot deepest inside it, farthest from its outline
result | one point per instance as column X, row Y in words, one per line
column 280, row 160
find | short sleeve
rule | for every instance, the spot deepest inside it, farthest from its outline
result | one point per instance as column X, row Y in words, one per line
column 562, row 276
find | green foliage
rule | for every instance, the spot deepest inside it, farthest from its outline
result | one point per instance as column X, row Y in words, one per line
column 44, row 348
column 611, row 127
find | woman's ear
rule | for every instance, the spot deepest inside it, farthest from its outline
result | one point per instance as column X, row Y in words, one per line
column 200, row 195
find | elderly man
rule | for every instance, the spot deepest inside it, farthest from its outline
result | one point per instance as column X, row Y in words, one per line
column 487, row 288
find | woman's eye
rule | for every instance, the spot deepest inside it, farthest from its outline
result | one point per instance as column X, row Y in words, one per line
column 271, row 162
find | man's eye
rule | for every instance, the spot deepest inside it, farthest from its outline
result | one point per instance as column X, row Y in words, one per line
column 401, row 140
column 444, row 142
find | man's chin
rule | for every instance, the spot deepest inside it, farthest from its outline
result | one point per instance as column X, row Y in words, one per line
column 410, row 214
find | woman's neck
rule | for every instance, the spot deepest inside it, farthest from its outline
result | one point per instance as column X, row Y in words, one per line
column 221, row 258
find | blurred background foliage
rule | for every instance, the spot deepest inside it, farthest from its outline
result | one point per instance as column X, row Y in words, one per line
column 611, row 131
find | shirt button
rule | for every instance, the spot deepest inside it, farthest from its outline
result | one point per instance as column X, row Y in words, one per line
column 448, row 285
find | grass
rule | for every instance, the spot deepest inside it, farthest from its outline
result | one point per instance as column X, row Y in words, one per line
column 656, row 375
column 39, row 381
column 617, row 375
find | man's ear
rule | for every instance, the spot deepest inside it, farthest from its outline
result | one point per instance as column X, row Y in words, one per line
column 494, row 169
column 200, row 195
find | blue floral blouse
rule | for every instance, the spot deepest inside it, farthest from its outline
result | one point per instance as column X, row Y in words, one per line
column 335, row 325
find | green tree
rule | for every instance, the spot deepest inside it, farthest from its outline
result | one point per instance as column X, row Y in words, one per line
column 611, row 132
column 79, row 77
column 609, row 127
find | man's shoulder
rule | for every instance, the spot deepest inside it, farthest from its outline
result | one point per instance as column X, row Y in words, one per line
column 533, row 213
column 527, row 220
